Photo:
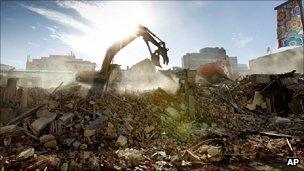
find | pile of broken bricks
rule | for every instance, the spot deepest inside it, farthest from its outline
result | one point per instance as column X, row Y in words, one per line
column 71, row 130
column 66, row 129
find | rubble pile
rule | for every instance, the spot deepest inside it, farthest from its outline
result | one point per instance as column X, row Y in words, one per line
column 235, row 125
column 68, row 128
column 255, row 103
column 37, row 96
column 249, row 124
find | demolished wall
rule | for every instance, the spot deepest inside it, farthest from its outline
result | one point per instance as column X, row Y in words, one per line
column 277, row 63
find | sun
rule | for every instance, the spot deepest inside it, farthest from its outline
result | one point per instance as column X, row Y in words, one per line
column 108, row 22
column 111, row 21
column 120, row 19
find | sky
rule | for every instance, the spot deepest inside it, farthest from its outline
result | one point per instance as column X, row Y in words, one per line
column 40, row 28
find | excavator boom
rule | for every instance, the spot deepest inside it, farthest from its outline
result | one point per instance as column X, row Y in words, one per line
column 107, row 67
column 148, row 36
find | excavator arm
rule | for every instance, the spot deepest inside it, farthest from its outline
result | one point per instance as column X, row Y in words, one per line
column 102, row 77
column 148, row 37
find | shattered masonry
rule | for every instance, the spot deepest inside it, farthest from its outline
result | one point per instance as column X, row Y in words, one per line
column 247, row 123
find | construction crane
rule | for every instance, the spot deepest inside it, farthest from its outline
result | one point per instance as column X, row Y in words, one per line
column 102, row 77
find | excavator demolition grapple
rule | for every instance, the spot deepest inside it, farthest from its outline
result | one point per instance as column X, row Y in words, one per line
column 101, row 78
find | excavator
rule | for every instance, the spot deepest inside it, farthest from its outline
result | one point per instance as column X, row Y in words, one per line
column 101, row 77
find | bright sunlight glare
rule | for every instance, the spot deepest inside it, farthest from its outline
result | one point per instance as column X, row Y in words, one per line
column 111, row 22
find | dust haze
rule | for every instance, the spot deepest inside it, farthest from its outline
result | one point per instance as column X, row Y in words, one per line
column 143, row 77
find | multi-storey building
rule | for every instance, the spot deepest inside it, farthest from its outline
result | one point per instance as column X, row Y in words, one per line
column 60, row 63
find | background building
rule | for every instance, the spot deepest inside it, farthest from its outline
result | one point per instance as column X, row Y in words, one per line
column 234, row 64
column 243, row 69
column 60, row 63
column 4, row 68
column 207, row 55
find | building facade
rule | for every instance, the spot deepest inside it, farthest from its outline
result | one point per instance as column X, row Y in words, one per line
column 60, row 63
column 290, row 19
column 207, row 55
column 243, row 69
column 5, row 68
column 234, row 64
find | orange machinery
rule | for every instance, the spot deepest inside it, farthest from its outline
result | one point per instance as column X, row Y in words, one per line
column 215, row 72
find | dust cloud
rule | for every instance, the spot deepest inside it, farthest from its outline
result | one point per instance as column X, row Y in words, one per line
column 143, row 77
column 39, row 78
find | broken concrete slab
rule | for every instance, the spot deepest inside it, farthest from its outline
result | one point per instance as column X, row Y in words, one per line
column 43, row 112
column 25, row 114
column 111, row 130
column 173, row 112
column 160, row 156
column 66, row 117
column 122, row 141
column 50, row 144
column 257, row 79
column 97, row 122
column 203, row 149
column 48, row 141
column 148, row 129
column 27, row 153
column 8, row 129
column 89, row 132
column 45, row 118
column 130, row 154
column 214, row 151
column 281, row 120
